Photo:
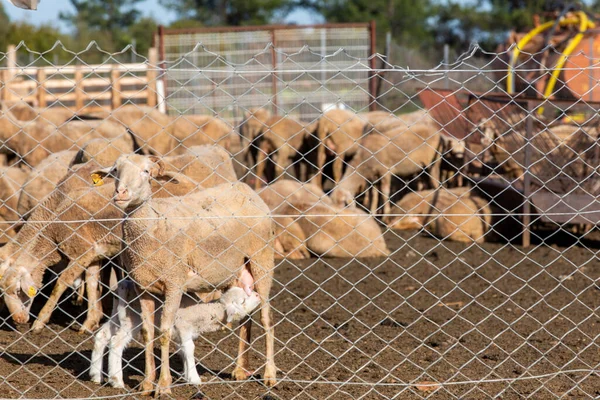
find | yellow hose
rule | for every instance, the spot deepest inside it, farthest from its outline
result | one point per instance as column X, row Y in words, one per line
column 584, row 25
column 526, row 39
column 517, row 50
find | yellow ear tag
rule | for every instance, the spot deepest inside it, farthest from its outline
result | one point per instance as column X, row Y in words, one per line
column 97, row 180
column 31, row 292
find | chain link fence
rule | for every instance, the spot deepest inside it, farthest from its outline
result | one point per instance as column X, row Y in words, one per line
column 442, row 247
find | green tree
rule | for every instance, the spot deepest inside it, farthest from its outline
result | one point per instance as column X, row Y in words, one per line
column 406, row 19
column 109, row 18
column 4, row 28
column 229, row 12
column 142, row 34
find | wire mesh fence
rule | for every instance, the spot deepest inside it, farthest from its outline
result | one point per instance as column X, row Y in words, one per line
column 447, row 252
column 202, row 80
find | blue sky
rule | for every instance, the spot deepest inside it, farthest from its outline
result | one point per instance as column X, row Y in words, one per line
column 48, row 11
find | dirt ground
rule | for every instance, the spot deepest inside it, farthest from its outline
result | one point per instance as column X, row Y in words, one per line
column 371, row 328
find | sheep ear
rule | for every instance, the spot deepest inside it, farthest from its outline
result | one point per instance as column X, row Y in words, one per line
column 101, row 173
column 169, row 176
column 98, row 176
column 28, row 285
column 158, row 168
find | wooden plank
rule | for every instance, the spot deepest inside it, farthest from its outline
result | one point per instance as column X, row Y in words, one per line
column 151, row 77
column 79, row 93
column 11, row 61
column 115, row 89
column 95, row 69
column 104, row 82
column 71, row 96
column 41, row 88
column 4, row 89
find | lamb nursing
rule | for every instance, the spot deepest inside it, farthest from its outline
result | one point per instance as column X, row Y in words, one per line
column 192, row 319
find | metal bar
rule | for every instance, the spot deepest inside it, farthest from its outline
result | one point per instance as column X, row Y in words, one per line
column 527, row 178
column 262, row 28
column 163, row 65
column 591, row 80
column 372, row 64
column 274, row 74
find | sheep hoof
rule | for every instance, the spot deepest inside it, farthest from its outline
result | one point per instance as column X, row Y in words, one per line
column 241, row 374
column 77, row 301
column 96, row 379
column 85, row 329
column 116, row 383
column 146, row 388
column 270, row 377
column 162, row 391
column 37, row 327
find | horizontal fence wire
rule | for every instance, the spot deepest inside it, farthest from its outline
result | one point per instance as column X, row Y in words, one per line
column 392, row 232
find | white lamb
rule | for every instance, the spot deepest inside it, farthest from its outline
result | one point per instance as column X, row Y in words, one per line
column 192, row 319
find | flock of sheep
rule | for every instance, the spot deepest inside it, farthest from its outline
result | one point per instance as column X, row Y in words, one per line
column 162, row 197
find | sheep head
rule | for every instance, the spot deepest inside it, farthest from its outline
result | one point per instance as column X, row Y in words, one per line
column 133, row 176
column 238, row 304
column 19, row 288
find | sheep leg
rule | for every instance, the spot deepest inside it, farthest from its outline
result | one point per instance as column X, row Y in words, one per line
column 367, row 199
column 118, row 343
column 80, row 295
column 186, row 348
column 147, row 308
column 258, row 267
column 173, row 294
column 65, row 280
column 435, row 172
column 261, row 164
column 386, row 188
column 281, row 162
column 338, row 167
column 242, row 369
column 321, row 157
column 101, row 341
column 94, row 312
column 374, row 198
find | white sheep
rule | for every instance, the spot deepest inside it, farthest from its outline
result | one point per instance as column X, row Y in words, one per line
column 192, row 320
column 200, row 242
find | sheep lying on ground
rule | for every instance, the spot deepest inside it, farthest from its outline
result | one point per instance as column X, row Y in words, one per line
column 447, row 213
column 306, row 220
column 289, row 242
column 86, row 242
column 402, row 151
column 328, row 231
column 289, row 191
column 200, row 242
column 193, row 319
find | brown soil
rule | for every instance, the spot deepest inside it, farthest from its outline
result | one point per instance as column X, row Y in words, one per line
column 433, row 312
